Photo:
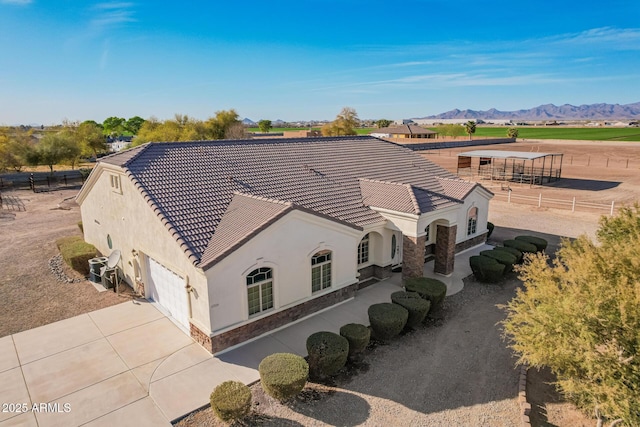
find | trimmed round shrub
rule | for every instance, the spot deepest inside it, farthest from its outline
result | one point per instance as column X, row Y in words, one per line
column 328, row 352
column 512, row 251
column 387, row 320
column 231, row 401
column 540, row 243
column 502, row 257
column 414, row 304
column 358, row 336
column 283, row 375
column 486, row 269
column 490, row 227
column 430, row 289
column 521, row 245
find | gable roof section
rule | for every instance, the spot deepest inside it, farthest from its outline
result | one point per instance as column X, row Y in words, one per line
column 191, row 185
column 457, row 188
column 402, row 197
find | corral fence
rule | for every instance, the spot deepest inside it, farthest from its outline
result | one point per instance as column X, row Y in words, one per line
column 42, row 181
column 573, row 205
column 440, row 145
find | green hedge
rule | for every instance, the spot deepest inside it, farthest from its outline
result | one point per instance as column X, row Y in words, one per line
column 414, row 304
column 502, row 257
column 358, row 336
column 328, row 353
column 231, row 401
column 76, row 253
column 512, row 251
column 387, row 320
column 521, row 245
column 490, row 227
column 538, row 242
column 486, row 269
column 283, row 375
column 430, row 289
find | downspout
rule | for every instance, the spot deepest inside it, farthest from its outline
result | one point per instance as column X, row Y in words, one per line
column 188, row 289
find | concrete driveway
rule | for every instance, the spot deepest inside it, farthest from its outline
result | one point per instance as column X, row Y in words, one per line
column 130, row 365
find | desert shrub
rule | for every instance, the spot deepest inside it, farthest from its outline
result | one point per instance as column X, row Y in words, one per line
column 414, row 304
column 387, row 320
column 283, row 375
column 328, row 352
column 358, row 336
column 433, row 290
column 76, row 253
column 231, row 401
column 490, row 227
column 521, row 245
column 538, row 242
column 486, row 269
column 512, row 251
column 502, row 257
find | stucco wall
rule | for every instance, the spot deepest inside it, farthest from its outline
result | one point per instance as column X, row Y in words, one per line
column 132, row 225
column 478, row 198
column 287, row 247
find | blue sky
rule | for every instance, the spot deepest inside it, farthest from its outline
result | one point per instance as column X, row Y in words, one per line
column 303, row 60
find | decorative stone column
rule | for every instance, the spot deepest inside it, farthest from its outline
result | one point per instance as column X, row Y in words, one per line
column 445, row 249
column 412, row 256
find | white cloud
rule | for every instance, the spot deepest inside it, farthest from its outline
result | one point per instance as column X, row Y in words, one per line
column 112, row 14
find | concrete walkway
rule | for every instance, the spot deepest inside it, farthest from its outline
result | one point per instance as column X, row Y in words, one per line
column 130, row 365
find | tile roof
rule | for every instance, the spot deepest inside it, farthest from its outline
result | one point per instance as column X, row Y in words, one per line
column 405, row 130
column 199, row 189
column 402, row 197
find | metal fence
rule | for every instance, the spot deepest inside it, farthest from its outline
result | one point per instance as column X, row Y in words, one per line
column 572, row 205
column 38, row 182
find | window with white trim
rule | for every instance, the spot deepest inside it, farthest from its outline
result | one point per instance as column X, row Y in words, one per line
column 321, row 271
column 260, row 290
column 394, row 244
column 363, row 250
column 472, row 221
column 427, row 232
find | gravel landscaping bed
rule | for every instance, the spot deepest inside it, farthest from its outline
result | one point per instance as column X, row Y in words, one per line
column 453, row 371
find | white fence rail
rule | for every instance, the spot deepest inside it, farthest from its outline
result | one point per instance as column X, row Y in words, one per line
column 572, row 205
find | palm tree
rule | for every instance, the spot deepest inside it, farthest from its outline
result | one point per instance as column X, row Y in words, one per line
column 470, row 127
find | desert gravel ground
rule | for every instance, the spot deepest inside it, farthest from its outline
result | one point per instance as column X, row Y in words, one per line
column 30, row 295
column 455, row 371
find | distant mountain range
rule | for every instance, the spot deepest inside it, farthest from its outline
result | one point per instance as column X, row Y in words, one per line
column 550, row 112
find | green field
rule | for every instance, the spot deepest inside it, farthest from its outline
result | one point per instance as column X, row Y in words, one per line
column 556, row 132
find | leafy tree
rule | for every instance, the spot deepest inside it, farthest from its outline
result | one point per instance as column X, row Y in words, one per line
column 580, row 316
column 470, row 128
column 264, row 125
column 15, row 148
column 219, row 125
column 89, row 136
column 344, row 124
column 114, row 126
column 134, row 124
column 383, row 123
column 512, row 133
column 55, row 148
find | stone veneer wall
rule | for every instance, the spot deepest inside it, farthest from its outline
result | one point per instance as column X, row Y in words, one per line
column 265, row 324
column 445, row 249
column 412, row 256
column 474, row 241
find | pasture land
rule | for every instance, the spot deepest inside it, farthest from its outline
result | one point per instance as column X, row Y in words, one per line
column 561, row 132
column 359, row 131
column 592, row 172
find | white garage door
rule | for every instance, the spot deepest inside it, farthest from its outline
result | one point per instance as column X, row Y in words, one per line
column 167, row 289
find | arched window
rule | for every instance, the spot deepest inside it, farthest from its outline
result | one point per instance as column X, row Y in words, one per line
column 260, row 290
column 472, row 221
column 427, row 233
column 321, row 271
column 363, row 250
column 394, row 243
